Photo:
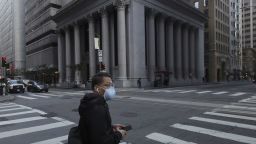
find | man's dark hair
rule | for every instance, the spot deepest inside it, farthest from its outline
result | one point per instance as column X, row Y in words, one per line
column 98, row 78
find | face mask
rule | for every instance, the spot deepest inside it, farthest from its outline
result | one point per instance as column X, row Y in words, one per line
column 110, row 93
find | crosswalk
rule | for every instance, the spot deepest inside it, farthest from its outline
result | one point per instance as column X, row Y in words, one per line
column 22, row 124
column 193, row 91
column 234, row 123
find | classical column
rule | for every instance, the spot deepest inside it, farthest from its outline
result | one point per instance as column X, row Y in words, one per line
column 192, row 52
column 200, row 54
column 105, row 39
column 68, row 54
column 161, row 43
column 92, row 63
column 77, row 53
column 121, row 36
column 170, row 50
column 60, row 57
column 151, row 45
column 178, row 53
column 112, row 43
column 185, row 52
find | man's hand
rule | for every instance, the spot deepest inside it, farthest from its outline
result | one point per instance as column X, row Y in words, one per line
column 123, row 132
column 117, row 126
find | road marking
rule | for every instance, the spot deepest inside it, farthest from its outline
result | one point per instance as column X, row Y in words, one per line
column 21, row 120
column 218, row 93
column 40, row 96
column 19, row 108
column 231, row 116
column 8, row 106
column 34, row 129
column 202, row 92
column 235, row 111
column 238, row 94
column 24, row 97
column 166, row 139
column 56, row 140
column 227, row 123
column 219, row 134
column 155, row 100
column 239, row 107
column 187, row 91
column 54, row 95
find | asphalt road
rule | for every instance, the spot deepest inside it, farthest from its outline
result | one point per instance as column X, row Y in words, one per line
column 209, row 114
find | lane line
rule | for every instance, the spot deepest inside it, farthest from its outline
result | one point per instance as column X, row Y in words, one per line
column 166, row 139
column 40, row 96
column 215, row 133
column 19, row 108
column 24, row 97
column 226, row 123
column 8, row 106
column 34, row 129
column 218, row 93
column 238, row 94
column 203, row 92
column 187, row 91
column 231, row 116
column 239, row 107
column 21, row 120
column 56, row 140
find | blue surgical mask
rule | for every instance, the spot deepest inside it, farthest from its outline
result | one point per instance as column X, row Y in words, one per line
column 110, row 93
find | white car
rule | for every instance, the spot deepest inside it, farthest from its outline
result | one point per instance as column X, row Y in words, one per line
column 15, row 86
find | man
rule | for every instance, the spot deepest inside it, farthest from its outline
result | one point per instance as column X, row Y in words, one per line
column 95, row 121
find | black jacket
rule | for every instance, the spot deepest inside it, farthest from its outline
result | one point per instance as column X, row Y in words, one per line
column 95, row 122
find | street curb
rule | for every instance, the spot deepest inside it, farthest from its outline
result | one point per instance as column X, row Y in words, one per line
column 6, row 98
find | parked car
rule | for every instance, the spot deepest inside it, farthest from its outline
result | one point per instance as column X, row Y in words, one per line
column 15, row 86
column 37, row 87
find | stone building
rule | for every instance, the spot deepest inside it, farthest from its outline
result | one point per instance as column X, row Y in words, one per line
column 160, row 41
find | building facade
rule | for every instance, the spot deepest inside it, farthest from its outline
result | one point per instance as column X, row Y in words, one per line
column 217, row 40
column 12, row 43
column 235, row 49
column 248, row 37
column 160, row 41
column 41, row 38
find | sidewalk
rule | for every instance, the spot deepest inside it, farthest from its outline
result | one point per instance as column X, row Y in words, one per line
column 6, row 98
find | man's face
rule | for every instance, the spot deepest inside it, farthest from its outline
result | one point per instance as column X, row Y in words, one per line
column 106, row 83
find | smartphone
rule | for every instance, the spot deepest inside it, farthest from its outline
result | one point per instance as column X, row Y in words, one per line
column 127, row 127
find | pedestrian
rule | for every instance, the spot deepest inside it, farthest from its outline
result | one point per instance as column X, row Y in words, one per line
column 95, row 124
column 139, row 83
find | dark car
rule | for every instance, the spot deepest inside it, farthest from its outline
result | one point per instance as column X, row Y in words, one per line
column 37, row 87
column 15, row 86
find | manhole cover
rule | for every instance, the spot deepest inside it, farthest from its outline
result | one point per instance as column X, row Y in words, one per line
column 3, row 119
column 75, row 110
column 129, row 114
column 51, row 114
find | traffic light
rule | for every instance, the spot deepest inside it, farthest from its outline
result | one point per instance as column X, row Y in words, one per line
column 4, row 63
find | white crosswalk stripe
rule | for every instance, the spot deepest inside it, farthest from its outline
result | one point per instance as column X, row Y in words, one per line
column 53, row 141
column 238, row 94
column 166, row 139
column 231, row 116
column 25, row 97
column 39, row 96
column 218, row 93
column 187, row 91
column 203, row 92
column 215, row 133
column 24, row 117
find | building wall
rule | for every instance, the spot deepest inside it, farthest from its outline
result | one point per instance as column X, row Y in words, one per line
column 217, row 45
column 41, row 40
column 12, row 32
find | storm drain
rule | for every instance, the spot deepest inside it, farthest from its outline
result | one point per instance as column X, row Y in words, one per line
column 49, row 115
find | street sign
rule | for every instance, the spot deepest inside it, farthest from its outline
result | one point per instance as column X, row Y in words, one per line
column 100, row 59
